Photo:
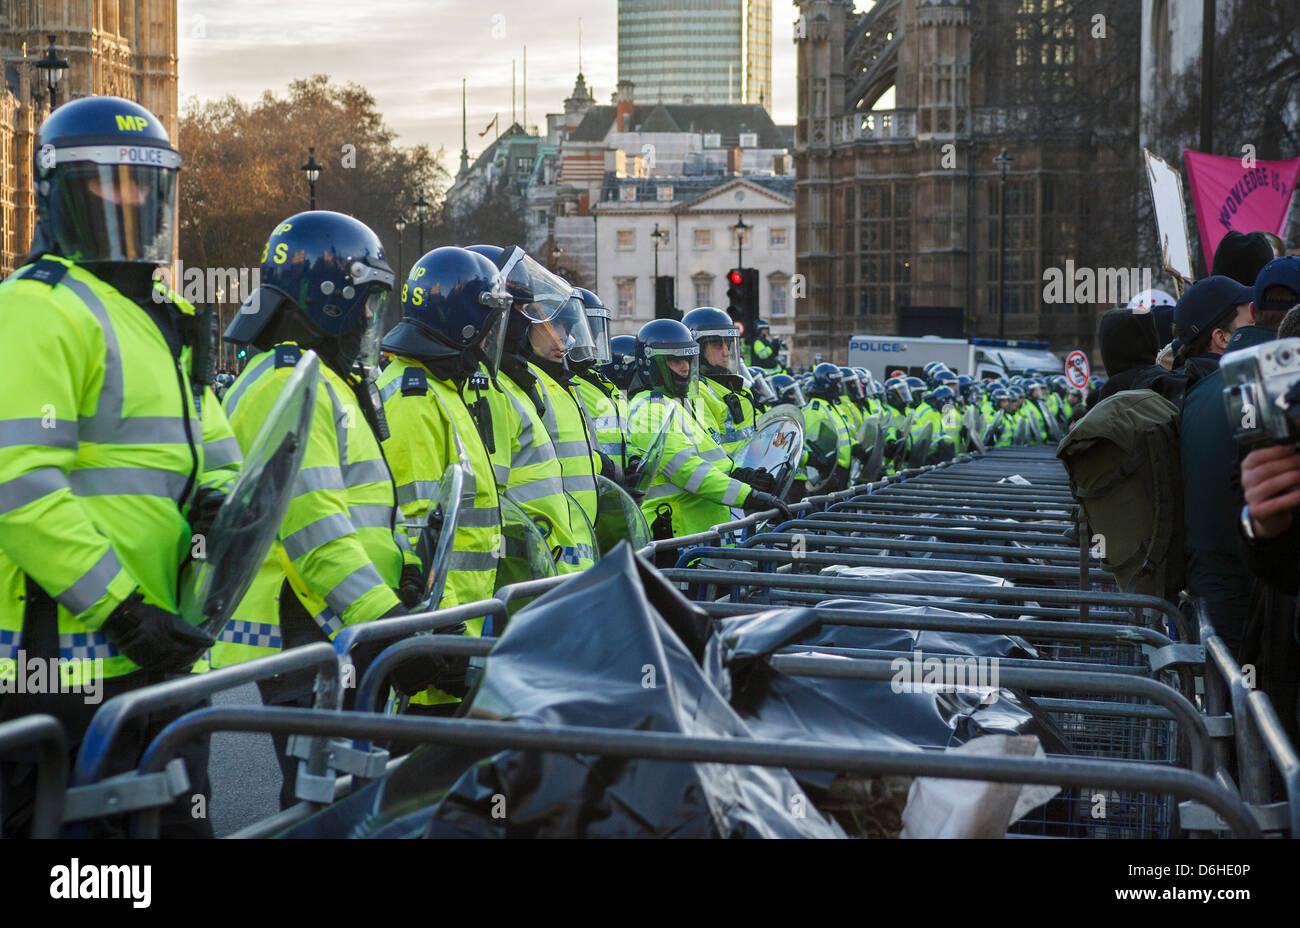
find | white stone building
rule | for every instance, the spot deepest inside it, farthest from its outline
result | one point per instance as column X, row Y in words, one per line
column 698, row 216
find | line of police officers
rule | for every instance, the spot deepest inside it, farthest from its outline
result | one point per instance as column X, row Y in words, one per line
column 115, row 454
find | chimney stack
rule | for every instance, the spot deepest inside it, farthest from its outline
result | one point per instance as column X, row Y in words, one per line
column 625, row 107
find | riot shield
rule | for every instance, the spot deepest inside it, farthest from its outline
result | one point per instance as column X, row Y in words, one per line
column 246, row 525
column 522, row 550
column 584, row 533
column 648, row 429
column 919, row 447
column 783, row 411
column 776, row 448
column 437, row 535
column 1024, row 433
column 618, row 518
column 870, row 439
column 974, row 430
column 826, row 443
column 1053, row 426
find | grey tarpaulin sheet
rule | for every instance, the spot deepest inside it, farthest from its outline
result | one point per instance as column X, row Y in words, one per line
column 614, row 647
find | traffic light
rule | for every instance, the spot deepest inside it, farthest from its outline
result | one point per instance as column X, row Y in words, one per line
column 742, row 299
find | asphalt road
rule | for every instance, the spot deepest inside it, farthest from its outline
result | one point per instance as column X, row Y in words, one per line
column 245, row 777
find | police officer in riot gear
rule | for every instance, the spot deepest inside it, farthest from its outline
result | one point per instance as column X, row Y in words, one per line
column 115, row 453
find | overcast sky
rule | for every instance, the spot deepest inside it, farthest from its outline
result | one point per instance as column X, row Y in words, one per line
column 412, row 54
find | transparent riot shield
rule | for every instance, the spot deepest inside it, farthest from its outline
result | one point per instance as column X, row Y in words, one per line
column 618, row 518
column 246, row 525
column 1024, row 433
column 1053, row 426
column 825, row 443
column 783, row 411
column 870, row 438
column 971, row 419
column 437, row 535
column 919, row 447
column 584, row 533
column 775, row 448
column 649, row 425
column 522, row 551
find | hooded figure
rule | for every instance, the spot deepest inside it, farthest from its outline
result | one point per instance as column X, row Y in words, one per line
column 1129, row 345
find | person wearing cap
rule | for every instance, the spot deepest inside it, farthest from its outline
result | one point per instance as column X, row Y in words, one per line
column 1217, row 568
column 1241, row 256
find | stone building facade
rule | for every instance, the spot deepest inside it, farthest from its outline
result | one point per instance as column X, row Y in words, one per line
column 898, row 210
column 126, row 48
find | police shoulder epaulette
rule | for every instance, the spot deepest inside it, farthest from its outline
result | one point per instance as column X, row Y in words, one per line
column 414, row 382
column 287, row 355
column 479, row 382
column 46, row 270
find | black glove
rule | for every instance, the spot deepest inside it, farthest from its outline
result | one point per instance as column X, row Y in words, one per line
column 758, row 501
column 758, row 479
column 609, row 468
column 410, row 589
column 413, row 675
column 892, row 447
column 203, row 511
column 860, row 454
column 823, row 462
column 153, row 637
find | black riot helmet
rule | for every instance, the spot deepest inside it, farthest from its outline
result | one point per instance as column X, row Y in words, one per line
column 667, row 359
column 324, row 281
column 106, row 184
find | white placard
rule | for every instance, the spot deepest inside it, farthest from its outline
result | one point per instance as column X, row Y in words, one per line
column 1171, row 217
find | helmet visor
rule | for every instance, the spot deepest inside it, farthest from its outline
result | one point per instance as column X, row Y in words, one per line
column 368, row 355
column 794, row 394
column 763, row 391
column 541, row 293
column 720, row 351
column 493, row 345
column 565, row 336
column 114, row 212
column 598, row 321
column 677, row 369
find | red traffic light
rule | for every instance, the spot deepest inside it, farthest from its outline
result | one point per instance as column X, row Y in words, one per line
column 734, row 277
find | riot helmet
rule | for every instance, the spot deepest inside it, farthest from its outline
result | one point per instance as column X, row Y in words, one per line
column 106, row 184
column 324, row 281
column 667, row 359
column 454, row 303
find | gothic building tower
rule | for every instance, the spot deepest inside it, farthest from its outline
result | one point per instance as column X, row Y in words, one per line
column 127, row 48
column 902, row 110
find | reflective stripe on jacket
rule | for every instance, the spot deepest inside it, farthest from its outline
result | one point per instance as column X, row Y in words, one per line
column 101, row 448
column 337, row 545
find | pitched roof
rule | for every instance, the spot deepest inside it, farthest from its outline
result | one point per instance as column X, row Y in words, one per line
column 726, row 119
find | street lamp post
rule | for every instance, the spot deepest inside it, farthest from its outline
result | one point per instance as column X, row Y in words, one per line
column 1004, row 162
column 55, row 68
column 400, row 226
column 740, row 229
column 312, row 170
column 658, row 235
column 421, row 210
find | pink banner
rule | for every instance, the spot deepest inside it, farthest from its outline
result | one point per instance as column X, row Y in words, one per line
column 1228, row 195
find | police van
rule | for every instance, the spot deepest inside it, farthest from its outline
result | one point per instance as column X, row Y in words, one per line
column 979, row 357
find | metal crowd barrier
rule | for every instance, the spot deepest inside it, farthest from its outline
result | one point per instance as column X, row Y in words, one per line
column 45, row 734
column 1159, row 721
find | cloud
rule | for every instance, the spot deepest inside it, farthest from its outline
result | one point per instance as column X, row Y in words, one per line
column 412, row 54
